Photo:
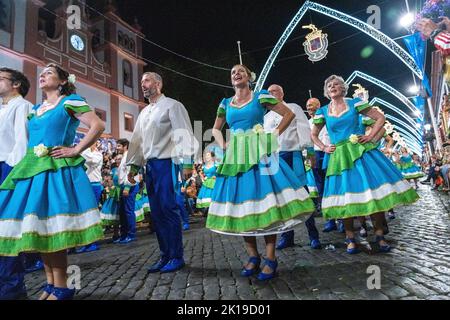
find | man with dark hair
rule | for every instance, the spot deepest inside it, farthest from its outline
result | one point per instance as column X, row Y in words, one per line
column 127, row 200
column 14, row 110
column 18, row 80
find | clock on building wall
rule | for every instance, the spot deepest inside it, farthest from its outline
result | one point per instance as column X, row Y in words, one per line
column 77, row 42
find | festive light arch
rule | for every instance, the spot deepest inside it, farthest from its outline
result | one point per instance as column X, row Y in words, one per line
column 394, row 108
column 386, row 87
column 360, row 25
column 405, row 127
column 411, row 144
column 405, row 135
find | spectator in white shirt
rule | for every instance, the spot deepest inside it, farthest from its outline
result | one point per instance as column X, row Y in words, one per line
column 128, row 192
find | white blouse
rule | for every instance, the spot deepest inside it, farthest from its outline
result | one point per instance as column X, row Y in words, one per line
column 94, row 163
column 162, row 131
column 14, row 130
column 297, row 136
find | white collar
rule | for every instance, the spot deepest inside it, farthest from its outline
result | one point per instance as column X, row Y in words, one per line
column 16, row 98
column 156, row 102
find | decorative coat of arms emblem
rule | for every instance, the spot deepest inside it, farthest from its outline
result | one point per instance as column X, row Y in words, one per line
column 316, row 44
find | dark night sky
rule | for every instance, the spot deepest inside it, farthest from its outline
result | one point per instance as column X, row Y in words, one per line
column 208, row 30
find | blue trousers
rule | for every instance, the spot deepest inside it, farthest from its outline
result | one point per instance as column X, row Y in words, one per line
column 190, row 203
column 98, row 189
column 319, row 172
column 310, row 222
column 165, row 213
column 182, row 208
column 12, row 271
column 126, row 212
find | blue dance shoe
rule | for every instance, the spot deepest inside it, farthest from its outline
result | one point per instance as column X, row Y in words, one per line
column 127, row 240
column 315, row 244
column 173, row 265
column 285, row 243
column 249, row 272
column 118, row 240
column 156, row 267
column 48, row 289
column 81, row 249
column 92, row 247
column 385, row 248
column 39, row 265
column 330, row 226
column 63, row 293
column 354, row 250
column 272, row 264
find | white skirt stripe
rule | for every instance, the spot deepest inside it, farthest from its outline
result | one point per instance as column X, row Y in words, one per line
column 31, row 224
column 257, row 207
column 364, row 197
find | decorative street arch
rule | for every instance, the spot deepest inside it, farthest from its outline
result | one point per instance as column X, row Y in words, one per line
column 405, row 127
column 356, row 23
column 408, row 118
column 386, row 87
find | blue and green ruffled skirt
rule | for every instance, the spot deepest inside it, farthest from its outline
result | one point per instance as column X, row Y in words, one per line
column 260, row 195
column 361, row 181
column 47, row 205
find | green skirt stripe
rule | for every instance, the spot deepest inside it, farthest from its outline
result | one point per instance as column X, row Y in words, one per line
column 373, row 206
column 261, row 220
column 53, row 243
column 203, row 205
column 32, row 165
column 314, row 194
column 413, row 176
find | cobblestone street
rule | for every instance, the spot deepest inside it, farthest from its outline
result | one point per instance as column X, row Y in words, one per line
column 418, row 267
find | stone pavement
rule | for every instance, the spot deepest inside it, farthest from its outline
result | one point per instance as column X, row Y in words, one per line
column 418, row 267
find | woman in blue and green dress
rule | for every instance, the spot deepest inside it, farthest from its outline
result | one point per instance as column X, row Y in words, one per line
column 409, row 169
column 256, row 193
column 209, row 169
column 46, row 203
column 360, row 180
column 311, row 181
column 110, row 208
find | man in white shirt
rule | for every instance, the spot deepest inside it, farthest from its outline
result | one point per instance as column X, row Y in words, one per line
column 14, row 110
column 128, row 192
column 162, row 135
column 312, row 105
column 293, row 140
column 93, row 164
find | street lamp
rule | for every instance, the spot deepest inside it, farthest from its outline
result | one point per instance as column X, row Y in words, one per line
column 427, row 127
column 407, row 20
column 414, row 89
